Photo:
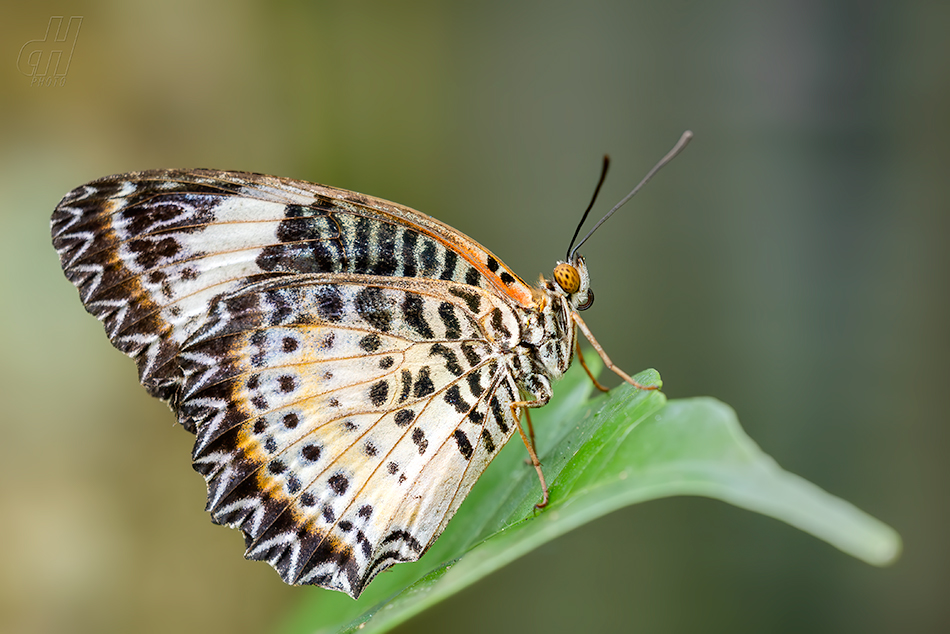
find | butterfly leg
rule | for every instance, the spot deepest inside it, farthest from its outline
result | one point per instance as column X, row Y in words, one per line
column 529, row 444
column 527, row 415
column 580, row 357
column 603, row 355
column 540, row 386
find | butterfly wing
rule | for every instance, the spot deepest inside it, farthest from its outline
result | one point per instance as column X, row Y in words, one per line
column 150, row 251
column 340, row 358
column 342, row 420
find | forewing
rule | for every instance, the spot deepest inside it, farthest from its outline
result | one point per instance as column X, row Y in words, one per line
column 341, row 420
column 151, row 251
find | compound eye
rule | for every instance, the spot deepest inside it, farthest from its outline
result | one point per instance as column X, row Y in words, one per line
column 567, row 278
column 589, row 302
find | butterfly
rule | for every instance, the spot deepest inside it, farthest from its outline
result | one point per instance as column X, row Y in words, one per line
column 349, row 366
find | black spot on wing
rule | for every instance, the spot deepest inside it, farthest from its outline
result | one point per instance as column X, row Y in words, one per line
column 498, row 414
column 406, row 377
column 487, row 439
column 365, row 546
column 453, row 329
column 419, row 438
column 453, row 396
column 472, row 276
column 423, row 385
column 428, row 259
column 475, row 383
column 468, row 349
column 498, row 324
column 149, row 253
column 362, row 246
column 370, row 342
column 451, row 359
column 378, row 393
column 404, row 417
column 339, row 483
column 472, row 299
column 465, row 447
column 281, row 303
column 311, row 452
column 412, row 311
column 298, row 227
column 293, row 484
column 409, row 239
column 329, row 303
column 305, row 246
column 373, row 306
column 385, row 252
column 451, row 261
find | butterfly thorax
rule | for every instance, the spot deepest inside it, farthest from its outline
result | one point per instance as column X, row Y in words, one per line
column 548, row 332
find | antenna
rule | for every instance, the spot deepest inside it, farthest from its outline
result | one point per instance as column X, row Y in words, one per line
column 603, row 175
column 656, row 168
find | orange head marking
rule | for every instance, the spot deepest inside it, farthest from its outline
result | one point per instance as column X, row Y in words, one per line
column 567, row 277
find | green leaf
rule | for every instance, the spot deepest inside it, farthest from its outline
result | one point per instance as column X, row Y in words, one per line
column 599, row 455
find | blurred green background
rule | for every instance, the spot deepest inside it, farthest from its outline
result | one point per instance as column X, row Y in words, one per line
column 792, row 262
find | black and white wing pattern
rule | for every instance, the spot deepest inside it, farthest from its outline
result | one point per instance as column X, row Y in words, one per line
column 345, row 362
column 339, row 444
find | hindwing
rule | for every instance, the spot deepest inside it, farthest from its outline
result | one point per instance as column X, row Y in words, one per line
column 341, row 423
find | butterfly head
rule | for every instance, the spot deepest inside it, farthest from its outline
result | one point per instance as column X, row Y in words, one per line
column 570, row 277
column 573, row 281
